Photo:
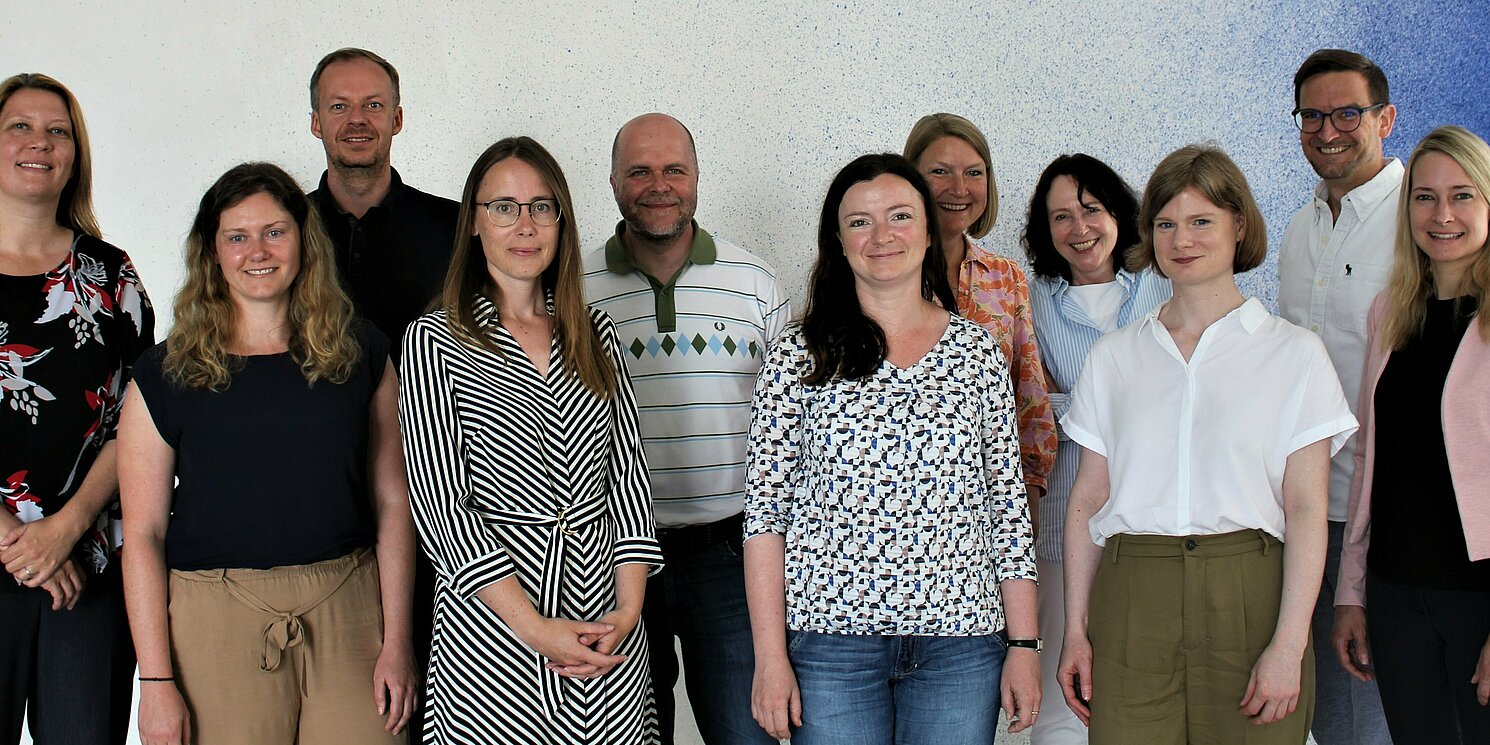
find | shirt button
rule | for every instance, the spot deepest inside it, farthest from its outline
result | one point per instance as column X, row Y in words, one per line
column 1314, row 327
column 1324, row 283
column 356, row 254
column 1191, row 545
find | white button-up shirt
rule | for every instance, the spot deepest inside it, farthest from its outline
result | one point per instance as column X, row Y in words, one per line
column 1199, row 447
column 1329, row 271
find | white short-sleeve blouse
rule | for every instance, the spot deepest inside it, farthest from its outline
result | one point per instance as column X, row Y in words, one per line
column 1199, row 447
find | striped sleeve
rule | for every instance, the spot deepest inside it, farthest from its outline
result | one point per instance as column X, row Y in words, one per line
column 777, row 309
column 462, row 547
column 630, row 498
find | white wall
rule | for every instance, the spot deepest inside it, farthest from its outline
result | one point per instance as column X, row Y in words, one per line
column 779, row 95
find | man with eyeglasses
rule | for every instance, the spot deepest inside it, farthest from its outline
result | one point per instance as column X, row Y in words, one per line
column 696, row 315
column 393, row 242
column 1336, row 256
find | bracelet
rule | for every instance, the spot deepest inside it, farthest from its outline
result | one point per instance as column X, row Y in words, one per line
column 171, row 679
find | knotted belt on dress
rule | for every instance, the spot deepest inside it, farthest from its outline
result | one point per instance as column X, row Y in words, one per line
column 562, row 526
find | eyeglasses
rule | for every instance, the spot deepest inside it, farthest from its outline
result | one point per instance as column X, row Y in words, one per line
column 1345, row 118
column 504, row 212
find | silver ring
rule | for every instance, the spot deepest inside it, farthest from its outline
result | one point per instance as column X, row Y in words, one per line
column 30, row 572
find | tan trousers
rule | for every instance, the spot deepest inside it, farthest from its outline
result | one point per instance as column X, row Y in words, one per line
column 282, row 655
column 1176, row 624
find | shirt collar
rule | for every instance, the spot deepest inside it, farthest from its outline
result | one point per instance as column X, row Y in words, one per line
column 1250, row 314
column 485, row 310
column 618, row 261
column 1364, row 198
column 976, row 254
column 395, row 196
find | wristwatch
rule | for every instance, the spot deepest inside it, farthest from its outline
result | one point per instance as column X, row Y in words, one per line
column 1036, row 644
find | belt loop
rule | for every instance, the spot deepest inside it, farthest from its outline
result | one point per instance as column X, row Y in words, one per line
column 1263, row 536
column 1117, row 546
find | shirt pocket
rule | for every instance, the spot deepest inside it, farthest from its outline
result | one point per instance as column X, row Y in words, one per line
column 1356, row 286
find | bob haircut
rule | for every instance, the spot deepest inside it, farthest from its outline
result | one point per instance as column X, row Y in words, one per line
column 349, row 54
column 843, row 342
column 1210, row 171
column 322, row 340
column 583, row 355
column 1095, row 182
column 75, row 206
column 933, row 127
column 1411, row 282
column 1342, row 60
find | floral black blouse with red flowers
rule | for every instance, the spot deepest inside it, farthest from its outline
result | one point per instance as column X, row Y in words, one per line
column 67, row 340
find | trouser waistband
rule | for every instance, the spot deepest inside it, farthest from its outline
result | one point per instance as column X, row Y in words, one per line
column 1169, row 546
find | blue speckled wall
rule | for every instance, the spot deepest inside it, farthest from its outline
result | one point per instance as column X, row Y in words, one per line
column 780, row 94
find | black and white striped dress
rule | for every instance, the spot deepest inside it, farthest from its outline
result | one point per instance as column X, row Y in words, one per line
column 512, row 474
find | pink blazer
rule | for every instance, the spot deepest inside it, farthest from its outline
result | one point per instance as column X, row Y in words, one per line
column 1466, row 437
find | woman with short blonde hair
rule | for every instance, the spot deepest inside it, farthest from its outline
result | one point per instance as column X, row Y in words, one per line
column 1195, row 532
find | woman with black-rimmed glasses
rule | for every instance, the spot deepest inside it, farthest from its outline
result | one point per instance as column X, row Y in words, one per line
column 527, row 477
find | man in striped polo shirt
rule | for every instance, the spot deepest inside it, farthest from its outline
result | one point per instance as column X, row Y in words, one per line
column 695, row 316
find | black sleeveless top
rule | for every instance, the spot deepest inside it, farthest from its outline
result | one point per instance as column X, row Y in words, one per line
column 272, row 470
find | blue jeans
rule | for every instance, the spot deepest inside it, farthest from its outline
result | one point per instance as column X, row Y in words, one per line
column 877, row 690
column 1346, row 711
column 699, row 597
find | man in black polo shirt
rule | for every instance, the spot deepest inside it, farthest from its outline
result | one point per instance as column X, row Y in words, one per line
column 392, row 241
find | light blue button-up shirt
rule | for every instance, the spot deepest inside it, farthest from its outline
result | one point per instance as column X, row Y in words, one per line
column 1065, row 333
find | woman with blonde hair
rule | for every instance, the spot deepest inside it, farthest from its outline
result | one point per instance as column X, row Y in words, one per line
column 73, row 317
column 527, row 477
column 263, row 487
column 1415, row 569
column 953, row 156
column 1195, row 531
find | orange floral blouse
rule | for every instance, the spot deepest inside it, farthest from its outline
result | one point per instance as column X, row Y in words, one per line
column 992, row 292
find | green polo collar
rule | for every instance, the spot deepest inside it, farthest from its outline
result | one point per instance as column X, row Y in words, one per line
column 617, row 261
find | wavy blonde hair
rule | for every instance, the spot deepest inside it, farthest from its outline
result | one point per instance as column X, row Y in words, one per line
column 1411, row 283
column 582, row 353
column 322, row 340
column 75, row 206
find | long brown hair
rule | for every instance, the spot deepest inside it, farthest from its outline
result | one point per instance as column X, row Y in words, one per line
column 75, row 206
column 582, row 354
column 1411, row 283
column 321, row 336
